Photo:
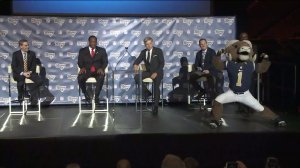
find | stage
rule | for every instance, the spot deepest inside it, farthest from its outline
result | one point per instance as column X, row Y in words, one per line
column 178, row 129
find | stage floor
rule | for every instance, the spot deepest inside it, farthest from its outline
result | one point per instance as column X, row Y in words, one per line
column 58, row 121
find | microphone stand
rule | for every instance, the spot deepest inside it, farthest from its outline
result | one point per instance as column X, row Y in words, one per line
column 113, row 73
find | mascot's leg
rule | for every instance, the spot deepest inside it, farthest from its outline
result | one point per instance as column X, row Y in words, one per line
column 217, row 108
column 250, row 101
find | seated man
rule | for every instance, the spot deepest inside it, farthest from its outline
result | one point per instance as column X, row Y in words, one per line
column 154, row 61
column 92, row 61
column 204, row 68
column 24, row 66
column 183, row 73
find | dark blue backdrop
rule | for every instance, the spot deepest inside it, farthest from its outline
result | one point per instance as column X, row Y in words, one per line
column 200, row 7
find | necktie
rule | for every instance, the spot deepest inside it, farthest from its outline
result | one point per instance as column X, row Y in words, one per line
column 93, row 69
column 203, row 58
column 25, row 62
column 148, row 56
column 93, row 53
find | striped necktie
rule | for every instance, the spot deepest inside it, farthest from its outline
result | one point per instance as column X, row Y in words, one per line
column 25, row 62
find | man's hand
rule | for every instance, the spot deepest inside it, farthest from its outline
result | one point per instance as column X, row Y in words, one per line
column 206, row 71
column 82, row 70
column 153, row 76
column 100, row 71
column 26, row 74
column 136, row 68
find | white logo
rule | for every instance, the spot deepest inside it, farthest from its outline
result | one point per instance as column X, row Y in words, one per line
column 49, row 55
column 187, row 43
column 115, row 33
column 81, row 21
column 13, row 21
column 61, row 88
column 103, row 43
column 59, row 21
column 81, row 43
column 26, row 33
column 117, row 98
column 71, row 33
column 71, row 55
column 72, row 99
column 157, row 32
column 60, row 44
column 117, row 76
column 104, row 22
column 37, row 44
column 210, row 42
column 107, row 87
column 208, row 21
column 14, row 44
column 4, row 55
column 72, row 77
column 136, row 33
column 198, row 32
column 125, row 22
column 146, row 21
column 115, row 54
column 167, row 21
column 125, row 43
column 229, row 21
column 4, row 78
column 168, row 65
column 124, row 65
column 4, row 100
column 60, row 66
column 187, row 21
column 219, row 32
column 49, row 33
column 3, row 33
column 36, row 21
column 167, row 86
column 125, row 87
column 177, row 54
column 178, row 32
column 167, row 43
column 93, row 32
column 51, row 77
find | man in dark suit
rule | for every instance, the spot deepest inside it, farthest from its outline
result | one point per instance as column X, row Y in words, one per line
column 204, row 68
column 24, row 66
column 154, row 61
column 92, row 61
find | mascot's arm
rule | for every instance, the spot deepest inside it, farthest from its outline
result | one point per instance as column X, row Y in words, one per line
column 264, row 65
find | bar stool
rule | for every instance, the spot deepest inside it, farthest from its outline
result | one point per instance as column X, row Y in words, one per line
column 93, row 109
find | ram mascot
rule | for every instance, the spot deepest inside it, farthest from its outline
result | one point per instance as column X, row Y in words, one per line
column 240, row 65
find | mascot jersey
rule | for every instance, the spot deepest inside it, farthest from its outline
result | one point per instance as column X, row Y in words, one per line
column 239, row 74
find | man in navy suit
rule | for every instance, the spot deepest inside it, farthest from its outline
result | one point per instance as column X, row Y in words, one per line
column 153, row 58
column 92, row 61
column 24, row 66
column 204, row 68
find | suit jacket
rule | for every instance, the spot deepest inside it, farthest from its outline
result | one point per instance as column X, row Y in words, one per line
column 86, row 61
column 208, row 60
column 18, row 63
column 157, row 61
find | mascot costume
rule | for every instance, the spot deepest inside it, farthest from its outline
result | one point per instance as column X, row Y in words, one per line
column 240, row 65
